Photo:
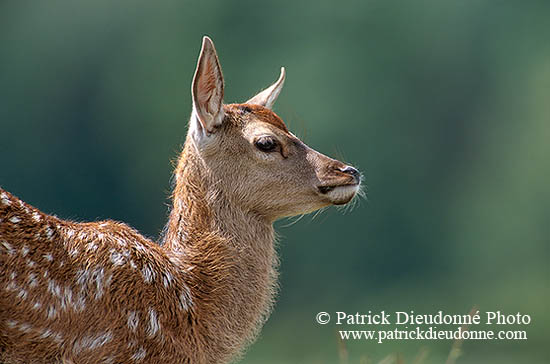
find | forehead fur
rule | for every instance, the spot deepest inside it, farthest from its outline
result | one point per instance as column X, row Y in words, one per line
column 240, row 111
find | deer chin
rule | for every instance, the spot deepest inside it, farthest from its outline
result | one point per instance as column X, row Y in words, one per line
column 339, row 194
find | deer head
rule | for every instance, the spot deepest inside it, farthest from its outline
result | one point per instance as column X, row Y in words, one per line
column 258, row 164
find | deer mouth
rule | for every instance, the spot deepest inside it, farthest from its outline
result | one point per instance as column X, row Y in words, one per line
column 325, row 189
column 339, row 194
column 329, row 188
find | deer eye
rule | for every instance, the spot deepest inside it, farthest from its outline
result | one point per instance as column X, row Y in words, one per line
column 266, row 144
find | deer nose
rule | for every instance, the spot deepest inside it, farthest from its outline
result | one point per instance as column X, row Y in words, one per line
column 352, row 172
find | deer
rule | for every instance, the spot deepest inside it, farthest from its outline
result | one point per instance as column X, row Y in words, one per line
column 100, row 292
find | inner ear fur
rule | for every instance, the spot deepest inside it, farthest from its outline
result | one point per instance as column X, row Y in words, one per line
column 267, row 97
column 207, row 88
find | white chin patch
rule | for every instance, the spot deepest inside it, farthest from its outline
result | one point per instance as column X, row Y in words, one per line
column 342, row 194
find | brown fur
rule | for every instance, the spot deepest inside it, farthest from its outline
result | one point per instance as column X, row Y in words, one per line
column 102, row 293
column 266, row 115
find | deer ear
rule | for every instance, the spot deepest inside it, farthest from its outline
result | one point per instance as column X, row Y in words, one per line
column 207, row 89
column 267, row 97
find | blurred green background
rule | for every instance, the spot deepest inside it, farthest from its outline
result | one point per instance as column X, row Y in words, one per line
column 444, row 105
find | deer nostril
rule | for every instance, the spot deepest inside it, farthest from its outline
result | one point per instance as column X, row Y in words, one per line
column 351, row 171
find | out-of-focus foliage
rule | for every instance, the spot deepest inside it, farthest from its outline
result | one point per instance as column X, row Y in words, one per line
column 444, row 105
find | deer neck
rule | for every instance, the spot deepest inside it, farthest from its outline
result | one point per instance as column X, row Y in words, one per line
column 229, row 253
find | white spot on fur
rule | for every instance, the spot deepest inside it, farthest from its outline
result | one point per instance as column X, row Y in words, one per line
column 11, row 323
column 54, row 288
column 67, row 298
column 48, row 257
column 80, row 303
column 12, row 286
column 30, row 263
column 108, row 360
column 70, row 233
column 15, row 220
column 139, row 355
column 13, row 275
column 139, row 247
column 57, row 337
column 121, row 242
column 82, row 277
column 185, row 299
column 25, row 327
column 132, row 264
column 175, row 260
column 5, row 199
column 51, row 312
column 103, row 224
column 73, row 252
column 98, row 275
column 22, row 294
column 91, row 247
column 33, row 282
column 148, row 274
column 154, row 325
column 45, row 274
column 91, row 342
column 36, row 216
column 95, row 277
column 49, row 233
column 46, row 333
column 36, row 305
column 24, row 250
column 167, row 279
column 8, row 247
column 116, row 257
column 133, row 320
